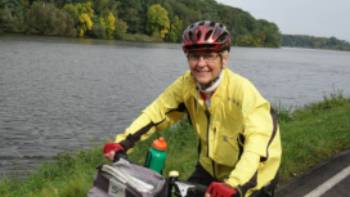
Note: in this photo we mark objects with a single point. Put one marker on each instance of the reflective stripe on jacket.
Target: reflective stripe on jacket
(238, 135)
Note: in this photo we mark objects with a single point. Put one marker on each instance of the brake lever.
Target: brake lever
(183, 188)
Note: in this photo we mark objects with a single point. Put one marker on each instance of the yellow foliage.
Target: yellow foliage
(102, 22)
(88, 9)
(81, 32)
(111, 21)
(164, 32)
(158, 22)
(82, 14)
(86, 23)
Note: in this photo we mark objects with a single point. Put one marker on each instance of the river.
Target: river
(60, 94)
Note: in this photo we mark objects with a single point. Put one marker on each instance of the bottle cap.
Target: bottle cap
(174, 173)
(159, 144)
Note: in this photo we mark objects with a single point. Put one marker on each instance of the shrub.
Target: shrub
(46, 19)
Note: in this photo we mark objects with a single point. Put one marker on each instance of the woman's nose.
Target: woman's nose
(201, 61)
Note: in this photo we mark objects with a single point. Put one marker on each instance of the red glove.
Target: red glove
(116, 147)
(220, 189)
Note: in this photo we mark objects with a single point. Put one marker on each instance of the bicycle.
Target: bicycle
(183, 188)
(123, 178)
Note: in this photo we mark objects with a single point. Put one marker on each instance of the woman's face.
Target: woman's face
(205, 66)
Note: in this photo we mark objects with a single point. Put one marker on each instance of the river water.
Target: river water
(59, 94)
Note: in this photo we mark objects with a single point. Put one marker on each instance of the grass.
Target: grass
(140, 38)
(309, 135)
(68, 175)
(314, 133)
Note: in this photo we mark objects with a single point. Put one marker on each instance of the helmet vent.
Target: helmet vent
(199, 34)
(190, 35)
(222, 37)
(201, 23)
(208, 34)
(212, 24)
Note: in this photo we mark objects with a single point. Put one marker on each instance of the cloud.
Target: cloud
(318, 18)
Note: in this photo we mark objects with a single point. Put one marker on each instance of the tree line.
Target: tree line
(143, 20)
(315, 42)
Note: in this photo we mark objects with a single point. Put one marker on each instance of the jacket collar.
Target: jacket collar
(219, 92)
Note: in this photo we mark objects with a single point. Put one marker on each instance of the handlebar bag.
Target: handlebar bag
(125, 179)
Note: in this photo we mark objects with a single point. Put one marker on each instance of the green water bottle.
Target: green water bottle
(156, 155)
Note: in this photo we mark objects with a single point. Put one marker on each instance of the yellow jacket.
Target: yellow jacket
(238, 135)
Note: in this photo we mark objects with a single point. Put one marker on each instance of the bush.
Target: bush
(46, 19)
(121, 29)
(12, 19)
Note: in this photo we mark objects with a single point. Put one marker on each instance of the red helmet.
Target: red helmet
(206, 36)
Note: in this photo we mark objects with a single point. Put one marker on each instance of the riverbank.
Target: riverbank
(145, 39)
(309, 135)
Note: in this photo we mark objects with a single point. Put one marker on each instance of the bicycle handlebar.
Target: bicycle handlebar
(190, 189)
(181, 188)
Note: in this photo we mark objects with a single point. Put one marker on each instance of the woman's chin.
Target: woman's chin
(202, 81)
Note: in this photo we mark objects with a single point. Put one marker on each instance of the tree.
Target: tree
(176, 29)
(44, 18)
(158, 24)
(121, 29)
(12, 16)
(162, 19)
(133, 12)
(82, 14)
(103, 7)
(246, 40)
(187, 14)
(85, 24)
(105, 27)
(268, 33)
(106, 20)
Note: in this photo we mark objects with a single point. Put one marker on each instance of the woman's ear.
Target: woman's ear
(225, 57)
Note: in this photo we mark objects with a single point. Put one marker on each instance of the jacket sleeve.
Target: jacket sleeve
(164, 111)
(258, 127)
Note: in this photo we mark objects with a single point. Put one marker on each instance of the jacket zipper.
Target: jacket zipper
(208, 129)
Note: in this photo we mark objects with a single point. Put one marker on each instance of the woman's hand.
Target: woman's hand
(110, 149)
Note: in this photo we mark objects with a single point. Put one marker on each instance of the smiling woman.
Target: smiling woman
(238, 141)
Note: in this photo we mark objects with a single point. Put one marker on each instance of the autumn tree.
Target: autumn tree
(107, 25)
(82, 14)
(158, 24)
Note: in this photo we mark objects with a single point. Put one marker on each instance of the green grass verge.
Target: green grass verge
(313, 134)
(309, 135)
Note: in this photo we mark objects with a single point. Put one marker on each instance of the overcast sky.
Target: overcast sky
(312, 17)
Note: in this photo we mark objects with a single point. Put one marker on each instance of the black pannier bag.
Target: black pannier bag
(125, 179)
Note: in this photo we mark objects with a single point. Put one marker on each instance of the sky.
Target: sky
(324, 18)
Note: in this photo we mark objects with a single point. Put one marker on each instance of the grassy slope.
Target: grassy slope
(309, 135)
(313, 134)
